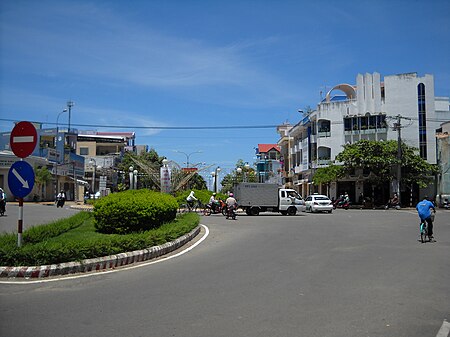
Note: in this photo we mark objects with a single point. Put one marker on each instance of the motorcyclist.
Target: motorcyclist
(424, 208)
(231, 204)
(2, 201)
(191, 199)
(213, 203)
(393, 202)
(60, 199)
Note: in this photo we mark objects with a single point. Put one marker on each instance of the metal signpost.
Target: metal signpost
(23, 140)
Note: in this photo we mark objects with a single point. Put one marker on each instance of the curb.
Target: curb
(99, 263)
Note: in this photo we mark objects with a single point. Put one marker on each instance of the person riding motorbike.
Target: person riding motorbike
(231, 206)
(424, 208)
(393, 202)
(2, 201)
(213, 203)
(60, 199)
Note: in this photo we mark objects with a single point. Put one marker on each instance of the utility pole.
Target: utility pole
(397, 126)
(70, 104)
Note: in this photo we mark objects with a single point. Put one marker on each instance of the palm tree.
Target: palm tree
(42, 177)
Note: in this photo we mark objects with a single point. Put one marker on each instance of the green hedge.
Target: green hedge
(133, 211)
(83, 242)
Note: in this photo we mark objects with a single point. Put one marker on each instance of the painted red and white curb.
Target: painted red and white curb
(98, 264)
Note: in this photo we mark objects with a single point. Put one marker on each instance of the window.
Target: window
(84, 151)
(347, 124)
(422, 120)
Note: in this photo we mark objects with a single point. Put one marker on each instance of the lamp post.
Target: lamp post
(135, 179)
(187, 155)
(247, 168)
(57, 152)
(70, 104)
(130, 169)
(238, 172)
(92, 160)
(216, 178)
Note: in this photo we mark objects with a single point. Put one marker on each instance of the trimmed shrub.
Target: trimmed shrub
(133, 211)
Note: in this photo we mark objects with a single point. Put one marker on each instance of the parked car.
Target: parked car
(318, 203)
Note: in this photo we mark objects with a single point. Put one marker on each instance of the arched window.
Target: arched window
(422, 120)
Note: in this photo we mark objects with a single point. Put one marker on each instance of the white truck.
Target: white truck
(254, 198)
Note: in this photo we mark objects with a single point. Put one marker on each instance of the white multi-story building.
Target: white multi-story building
(366, 110)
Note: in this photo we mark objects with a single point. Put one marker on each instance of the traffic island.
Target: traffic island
(98, 264)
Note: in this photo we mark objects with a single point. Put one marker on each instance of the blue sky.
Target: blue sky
(205, 63)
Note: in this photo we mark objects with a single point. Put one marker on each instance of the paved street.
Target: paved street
(350, 273)
(33, 214)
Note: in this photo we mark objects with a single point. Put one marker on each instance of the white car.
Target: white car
(318, 203)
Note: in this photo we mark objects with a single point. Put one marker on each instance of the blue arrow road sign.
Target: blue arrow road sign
(21, 179)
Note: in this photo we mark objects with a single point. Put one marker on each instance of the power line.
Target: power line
(212, 127)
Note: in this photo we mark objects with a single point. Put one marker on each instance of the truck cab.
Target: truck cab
(288, 200)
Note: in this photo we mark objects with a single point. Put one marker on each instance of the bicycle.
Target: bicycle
(424, 230)
(196, 206)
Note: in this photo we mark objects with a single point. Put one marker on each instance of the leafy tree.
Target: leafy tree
(247, 174)
(381, 159)
(42, 176)
(150, 158)
(326, 175)
(197, 182)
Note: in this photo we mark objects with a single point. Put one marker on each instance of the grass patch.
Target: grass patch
(75, 239)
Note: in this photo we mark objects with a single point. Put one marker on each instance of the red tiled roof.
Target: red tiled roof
(264, 148)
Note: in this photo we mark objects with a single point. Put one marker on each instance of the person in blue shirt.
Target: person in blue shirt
(424, 208)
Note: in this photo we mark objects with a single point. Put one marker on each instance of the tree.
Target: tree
(380, 158)
(150, 159)
(247, 174)
(42, 177)
(326, 175)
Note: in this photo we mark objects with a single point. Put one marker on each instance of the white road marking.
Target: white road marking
(123, 268)
(444, 331)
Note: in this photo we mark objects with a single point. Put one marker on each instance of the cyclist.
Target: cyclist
(424, 210)
(190, 200)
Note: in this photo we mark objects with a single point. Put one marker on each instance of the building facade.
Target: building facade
(78, 161)
(368, 110)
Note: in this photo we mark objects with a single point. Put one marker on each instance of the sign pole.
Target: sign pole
(23, 140)
(20, 223)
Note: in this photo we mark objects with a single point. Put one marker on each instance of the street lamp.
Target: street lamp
(247, 168)
(70, 104)
(92, 160)
(57, 152)
(187, 155)
(130, 169)
(135, 180)
(216, 178)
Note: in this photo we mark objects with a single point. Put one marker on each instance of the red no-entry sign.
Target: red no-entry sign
(23, 139)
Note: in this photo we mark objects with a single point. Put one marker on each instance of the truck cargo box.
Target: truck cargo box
(256, 194)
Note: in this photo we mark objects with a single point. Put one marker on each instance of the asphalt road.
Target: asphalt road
(33, 214)
(350, 273)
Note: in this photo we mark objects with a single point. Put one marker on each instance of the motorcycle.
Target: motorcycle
(219, 207)
(231, 212)
(2, 207)
(341, 203)
(60, 202)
